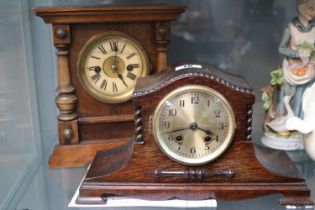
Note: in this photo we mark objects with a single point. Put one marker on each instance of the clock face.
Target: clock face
(109, 65)
(193, 125)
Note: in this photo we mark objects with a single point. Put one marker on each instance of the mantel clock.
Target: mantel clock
(193, 141)
(101, 52)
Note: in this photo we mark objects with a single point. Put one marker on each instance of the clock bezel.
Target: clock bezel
(212, 156)
(96, 94)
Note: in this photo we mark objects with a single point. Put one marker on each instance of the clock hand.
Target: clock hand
(179, 129)
(115, 58)
(208, 132)
(114, 66)
(121, 78)
(195, 126)
(115, 48)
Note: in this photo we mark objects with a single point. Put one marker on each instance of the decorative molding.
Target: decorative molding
(249, 117)
(162, 38)
(138, 126)
(184, 74)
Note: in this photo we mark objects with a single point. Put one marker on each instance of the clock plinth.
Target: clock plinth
(140, 169)
(102, 36)
(59, 157)
(138, 178)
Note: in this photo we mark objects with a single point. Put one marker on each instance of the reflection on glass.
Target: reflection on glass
(16, 131)
(240, 37)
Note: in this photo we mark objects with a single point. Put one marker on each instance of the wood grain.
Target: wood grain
(105, 119)
(272, 172)
(72, 27)
(109, 14)
(81, 154)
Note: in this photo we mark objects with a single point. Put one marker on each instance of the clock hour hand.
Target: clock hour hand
(208, 132)
(195, 126)
(122, 79)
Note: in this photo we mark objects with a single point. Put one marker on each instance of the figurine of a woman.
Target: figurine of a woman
(284, 95)
(297, 46)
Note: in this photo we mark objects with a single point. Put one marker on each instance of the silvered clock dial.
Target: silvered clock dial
(109, 65)
(193, 124)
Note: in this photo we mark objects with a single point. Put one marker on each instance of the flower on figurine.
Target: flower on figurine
(266, 101)
(277, 77)
(306, 46)
(267, 92)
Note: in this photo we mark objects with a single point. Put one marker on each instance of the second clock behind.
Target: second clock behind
(101, 51)
(109, 65)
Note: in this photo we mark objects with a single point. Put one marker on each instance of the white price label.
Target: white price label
(188, 66)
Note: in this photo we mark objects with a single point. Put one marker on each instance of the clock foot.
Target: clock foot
(297, 201)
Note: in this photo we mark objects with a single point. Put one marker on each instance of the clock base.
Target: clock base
(222, 191)
(79, 155)
(258, 172)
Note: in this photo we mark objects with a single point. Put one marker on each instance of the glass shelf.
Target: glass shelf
(54, 188)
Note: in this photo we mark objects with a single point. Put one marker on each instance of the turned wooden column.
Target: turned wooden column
(87, 125)
(66, 99)
(162, 37)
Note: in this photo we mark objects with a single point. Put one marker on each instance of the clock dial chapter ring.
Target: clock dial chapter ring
(109, 65)
(193, 125)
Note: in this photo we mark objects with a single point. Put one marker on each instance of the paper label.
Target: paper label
(188, 66)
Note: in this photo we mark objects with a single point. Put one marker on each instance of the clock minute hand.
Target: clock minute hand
(114, 67)
(179, 129)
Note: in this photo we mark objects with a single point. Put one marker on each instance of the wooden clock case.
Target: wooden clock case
(85, 124)
(139, 169)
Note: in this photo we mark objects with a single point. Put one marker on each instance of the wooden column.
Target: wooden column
(66, 99)
(162, 37)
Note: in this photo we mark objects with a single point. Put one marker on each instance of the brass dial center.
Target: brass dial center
(112, 66)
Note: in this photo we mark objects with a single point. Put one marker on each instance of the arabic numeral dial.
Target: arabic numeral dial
(193, 124)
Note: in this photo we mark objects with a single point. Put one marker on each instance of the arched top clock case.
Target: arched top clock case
(157, 163)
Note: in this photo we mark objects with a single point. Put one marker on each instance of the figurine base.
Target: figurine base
(286, 144)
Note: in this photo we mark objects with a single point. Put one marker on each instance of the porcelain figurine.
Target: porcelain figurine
(282, 99)
(306, 126)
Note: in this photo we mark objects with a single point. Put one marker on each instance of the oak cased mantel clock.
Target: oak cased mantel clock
(101, 52)
(193, 141)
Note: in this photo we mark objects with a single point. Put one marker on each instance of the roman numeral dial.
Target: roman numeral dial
(109, 65)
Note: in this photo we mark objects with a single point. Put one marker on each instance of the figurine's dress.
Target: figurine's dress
(294, 84)
(298, 38)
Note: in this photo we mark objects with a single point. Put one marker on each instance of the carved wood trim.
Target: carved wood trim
(68, 132)
(184, 74)
(138, 126)
(162, 38)
(66, 100)
(66, 15)
(105, 119)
